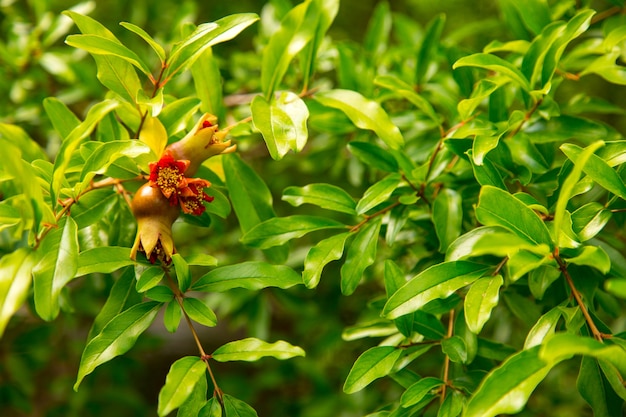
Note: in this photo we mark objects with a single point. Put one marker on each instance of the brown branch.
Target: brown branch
(446, 364)
(371, 216)
(599, 336)
(527, 117)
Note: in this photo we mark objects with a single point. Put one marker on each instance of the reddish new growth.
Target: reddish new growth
(168, 175)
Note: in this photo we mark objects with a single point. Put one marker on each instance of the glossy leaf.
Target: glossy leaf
(506, 389)
(104, 259)
(378, 193)
(326, 196)
(156, 47)
(57, 267)
(327, 12)
(494, 63)
(279, 230)
(296, 29)
(108, 153)
(594, 257)
(149, 278)
(181, 379)
(325, 251)
(497, 207)
(407, 92)
(250, 275)
(206, 78)
(172, 316)
(117, 337)
(15, 282)
(153, 134)
(282, 122)
(438, 281)
(185, 52)
(199, 312)
(543, 329)
(447, 217)
(252, 349)
(364, 113)
(374, 363)
(480, 300)
(419, 390)
(93, 207)
(361, 254)
(183, 274)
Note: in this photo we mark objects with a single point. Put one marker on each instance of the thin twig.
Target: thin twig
(446, 364)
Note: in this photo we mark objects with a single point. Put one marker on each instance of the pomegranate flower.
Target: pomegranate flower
(192, 198)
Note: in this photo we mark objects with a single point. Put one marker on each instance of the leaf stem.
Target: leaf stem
(599, 336)
(371, 216)
(446, 364)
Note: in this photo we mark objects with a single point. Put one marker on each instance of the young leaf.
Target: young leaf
(480, 300)
(326, 196)
(105, 259)
(172, 316)
(57, 267)
(149, 278)
(374, 363)
(327, 11)
(15, 281)
(252, 349)
(325, 251)
(279, 230)
(543, 329)
(199, 312)
(205, 36)
(282, 122)
(438, 281)
(361, 254)
(181, 379)
(117, 337)
(506, 389)
(497, 207)
(156, 47)
(364, 113)
(250, 275)
(213, 408)
(108, 153)
(378, 193)
(447, 217)
(296, 29)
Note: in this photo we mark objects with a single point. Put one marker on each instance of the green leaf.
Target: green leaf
(373, 155)
(593, 256)
(563, 346)
(326, 196)
(494, 63)
(201, 259)
(327, 12)
(279, 230)
(93, 207)
(506, 389)
(108, 153)
(416, 392)
(213, 408)
(480, 300)
(61, 117)
(361, 254)
(596, 167)
(236, 408)
(104, 259)
(296, 29)
(378, 193)
(100, 45)
(121, 297)
(196, 401)
(28, 147)
(374, 363)
(57, 267)
(592, 387)
(589, 220)
(185, 52)
(497, 207)
(74, 139)
(149, 278)
(15, 281)
(156, 47)
(325, 251)
(377, 34)
(282, 122)
(543, 329)
(447, 217)
(172, 316)
(206, 77)
(407, 92)
(438, 281)
(250, 275)
(428, 48)
(117, 337)
(181, 379)
(455, 348)
(9, 215)
(199, 312)
(160, 293)
(183, 274)
(364, 113)
(252, 349)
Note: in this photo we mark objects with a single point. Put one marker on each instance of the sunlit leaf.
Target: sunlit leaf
(181, 379)
(361, 254)
(374, 363)
(325, 251)
(252, 349)
(327, 196)
(250, 275)
(279, 230)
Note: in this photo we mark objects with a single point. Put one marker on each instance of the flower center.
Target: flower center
(168, 179)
